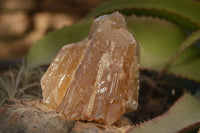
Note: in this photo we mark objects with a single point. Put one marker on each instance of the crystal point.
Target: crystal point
(96, 79)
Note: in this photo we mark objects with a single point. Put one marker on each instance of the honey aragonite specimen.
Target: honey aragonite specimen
(96, 79)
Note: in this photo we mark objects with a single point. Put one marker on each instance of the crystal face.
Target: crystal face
(96, 79)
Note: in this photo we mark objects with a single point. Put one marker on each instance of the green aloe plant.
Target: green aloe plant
(182, 12)
(169, 34)
(45, 49)
(183, 114)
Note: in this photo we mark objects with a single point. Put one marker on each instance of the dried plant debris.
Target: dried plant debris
(20, 83)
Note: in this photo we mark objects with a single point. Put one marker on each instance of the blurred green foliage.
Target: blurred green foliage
(160, 35)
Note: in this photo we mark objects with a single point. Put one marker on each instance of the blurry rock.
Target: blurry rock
(33, 116)
(13, 24)
(4, 50)
(91, 2)
(16, 25)
(13, 5)
(81, 127)
(123, 122)
(60, 19)
(76, 7)
(16, 48)
(43, 21)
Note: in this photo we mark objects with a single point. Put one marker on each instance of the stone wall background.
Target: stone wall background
(23, 22)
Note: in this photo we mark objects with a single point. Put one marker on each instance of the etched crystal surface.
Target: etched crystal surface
(96, 79)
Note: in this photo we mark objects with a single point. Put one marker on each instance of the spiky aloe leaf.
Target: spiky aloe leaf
(186, 60)
(158, 38)
(183, 12)
(184, 114)
(44, 50)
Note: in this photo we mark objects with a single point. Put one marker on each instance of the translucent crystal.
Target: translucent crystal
(96, 79)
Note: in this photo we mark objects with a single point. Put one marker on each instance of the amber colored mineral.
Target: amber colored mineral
(96, 79)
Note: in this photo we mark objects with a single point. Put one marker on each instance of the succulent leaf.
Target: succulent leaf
(182, 115)
(186, 60)
(154, 52)
(183, 12)
(44, 50)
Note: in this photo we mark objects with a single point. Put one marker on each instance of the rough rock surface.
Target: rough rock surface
(33, 116)
(95, 79)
